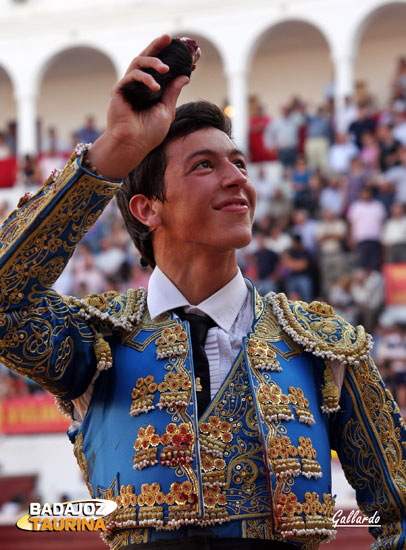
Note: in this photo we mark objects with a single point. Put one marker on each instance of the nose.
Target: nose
(233, 176)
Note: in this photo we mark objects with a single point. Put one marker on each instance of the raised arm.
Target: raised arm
(40, 335)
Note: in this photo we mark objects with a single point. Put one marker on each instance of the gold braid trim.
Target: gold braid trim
(82, 462)
(320, 331)
(111, 309)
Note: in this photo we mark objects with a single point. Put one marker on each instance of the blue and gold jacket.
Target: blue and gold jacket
(257, 463)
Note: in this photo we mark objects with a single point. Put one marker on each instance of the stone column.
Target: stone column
(343, 79)
(237, 97)
(26, 122)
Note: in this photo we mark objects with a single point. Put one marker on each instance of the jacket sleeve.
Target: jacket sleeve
(41, 335)
(369, 435)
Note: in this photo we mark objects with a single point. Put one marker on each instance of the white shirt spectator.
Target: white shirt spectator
(340, 156)
(394, 231)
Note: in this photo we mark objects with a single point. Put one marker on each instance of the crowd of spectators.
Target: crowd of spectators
(330, 218)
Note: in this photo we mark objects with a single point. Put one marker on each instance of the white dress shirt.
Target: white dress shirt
(230, 308)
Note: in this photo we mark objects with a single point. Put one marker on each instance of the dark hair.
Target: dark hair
(148, 178)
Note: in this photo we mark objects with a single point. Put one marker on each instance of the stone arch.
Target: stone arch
(378, 43)
(79, 76)
(8, 111)
(282, 58)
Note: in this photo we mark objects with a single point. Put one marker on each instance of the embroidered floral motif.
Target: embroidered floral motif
(301, 405)
(173, 341)
(274, 403)
(143, 395)
(214, 436)
(312, 517)
(262, 356)
(146, 448)
(175, 390)
(283, 457)
(310, 466)
(177, 441)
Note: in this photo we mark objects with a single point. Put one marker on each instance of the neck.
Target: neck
(199, 275)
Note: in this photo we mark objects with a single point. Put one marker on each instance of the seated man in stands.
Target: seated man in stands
(205, 411)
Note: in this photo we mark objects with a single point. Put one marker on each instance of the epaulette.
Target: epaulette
(110, 310)
(317, 328)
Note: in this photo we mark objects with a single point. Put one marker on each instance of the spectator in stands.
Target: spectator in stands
(399, 128)
(333, 196)
(385, 191)
(300, 178)
(388, 147)
(110, 257)
(340, 154)
(367, 292)
(296, 264)
(345, 115)
(317, 140)
(52, 141)
(394, 235)
(265, 191)
(306, 228)
(362, 125)
(278, 239)
(258, 122)
(331, 234)
(88, 133)
(366, 217)
(49, 161)
(29, 171)
(399, 81)
(86, 274)
(357, 178)
(266, 264)
(391, 353)
(369, 155)
(5, 151)
(339, 296)
(284, 132)
(397, 175)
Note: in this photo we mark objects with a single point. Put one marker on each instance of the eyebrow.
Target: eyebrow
(212, 152)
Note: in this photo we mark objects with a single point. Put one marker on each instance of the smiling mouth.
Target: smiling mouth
(236, 205)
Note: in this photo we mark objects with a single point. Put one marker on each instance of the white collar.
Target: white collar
(223, 306)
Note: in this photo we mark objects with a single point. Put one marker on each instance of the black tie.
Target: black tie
(199, 326)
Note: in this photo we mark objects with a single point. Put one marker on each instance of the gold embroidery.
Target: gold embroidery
(82, 462)
(301, 406)
(282, 455)
(261, 355)
(257, 529)
(143, 395)
(330, 392)
(274, 403)
(173, 341)
(373, 448)
(310, 466)
(146, 448)
(330, 337)
(317, 518)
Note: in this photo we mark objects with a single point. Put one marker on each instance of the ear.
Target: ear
(147, 211)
